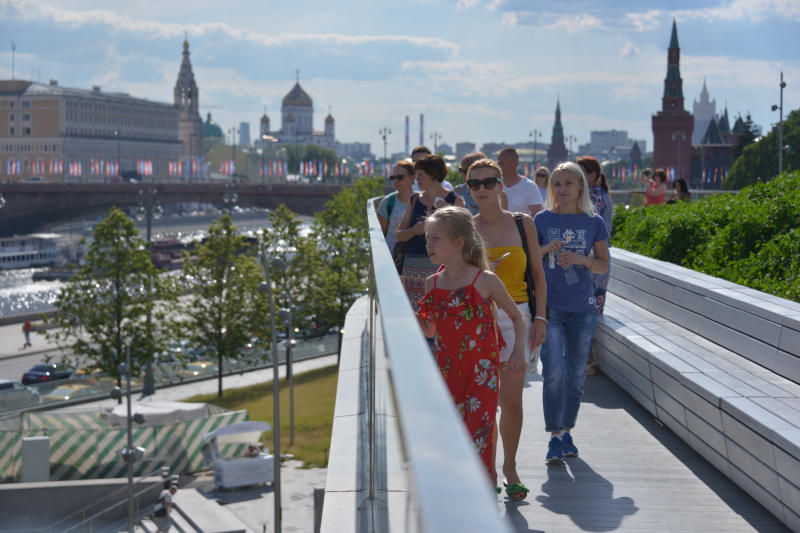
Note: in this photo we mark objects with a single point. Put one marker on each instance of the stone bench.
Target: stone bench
(717, 363)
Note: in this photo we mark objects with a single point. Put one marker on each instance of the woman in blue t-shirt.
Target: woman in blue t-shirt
(568, 229)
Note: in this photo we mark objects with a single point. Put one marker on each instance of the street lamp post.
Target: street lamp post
(384, 133)
(682, 136)
(266, 287)
(229, 197)
(233, 132)
(535, 134)
(780, 127)
(149, 207)
(436, 136)
(286, 316)
(119, 151)
(570, 138)
(266, 139)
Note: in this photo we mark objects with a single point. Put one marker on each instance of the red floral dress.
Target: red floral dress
(467, 348)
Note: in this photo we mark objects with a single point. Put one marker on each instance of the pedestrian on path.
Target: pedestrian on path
(506, 251)
(26, 329)
(457, 312)
(164, 507)
(568, 230)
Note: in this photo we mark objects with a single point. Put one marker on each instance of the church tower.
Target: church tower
(673, 125)
(557, 153)
(330, 125)
(264, 128)
(190, 125)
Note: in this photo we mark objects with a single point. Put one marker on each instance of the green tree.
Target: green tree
(225, 309)
(745, 138)
(341, 262)
(759, 160)
(104, 307)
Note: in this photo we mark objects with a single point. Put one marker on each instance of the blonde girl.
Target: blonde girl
(457, 312)
(568, 229)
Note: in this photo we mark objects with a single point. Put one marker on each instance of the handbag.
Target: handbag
(528, 269)
(399, 250)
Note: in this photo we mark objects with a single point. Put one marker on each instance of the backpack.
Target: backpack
(161, 511)
(390, 200)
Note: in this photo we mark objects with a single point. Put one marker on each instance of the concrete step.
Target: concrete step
(205, 514)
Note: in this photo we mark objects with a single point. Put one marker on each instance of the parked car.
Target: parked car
(44, 372)
(14, 395)
(70, 391)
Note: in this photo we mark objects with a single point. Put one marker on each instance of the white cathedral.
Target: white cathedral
(297, 122)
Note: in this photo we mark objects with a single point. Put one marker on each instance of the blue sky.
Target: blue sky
(480, 70)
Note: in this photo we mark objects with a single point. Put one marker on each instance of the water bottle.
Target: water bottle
(570, 275)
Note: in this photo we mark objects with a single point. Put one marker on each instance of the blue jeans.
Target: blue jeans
(564, 355)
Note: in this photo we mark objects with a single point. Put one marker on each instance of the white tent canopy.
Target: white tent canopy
(240, 432)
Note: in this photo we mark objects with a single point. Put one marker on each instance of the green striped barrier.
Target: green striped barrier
(83, 446)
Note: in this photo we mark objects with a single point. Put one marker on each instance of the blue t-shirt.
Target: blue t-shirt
(579, 233)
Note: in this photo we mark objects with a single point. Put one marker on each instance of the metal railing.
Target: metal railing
(448, 487)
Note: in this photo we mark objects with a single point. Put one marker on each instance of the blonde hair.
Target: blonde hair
(485, 163)
(458, 222)
(584, 202)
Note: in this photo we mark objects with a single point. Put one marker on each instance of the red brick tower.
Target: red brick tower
(673, 125)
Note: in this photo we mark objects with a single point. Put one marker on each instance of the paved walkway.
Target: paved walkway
(632, 475)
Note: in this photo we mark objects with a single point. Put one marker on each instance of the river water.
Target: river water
(19, 294)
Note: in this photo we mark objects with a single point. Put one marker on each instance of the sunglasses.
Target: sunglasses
(488, 183)
(397, 177)
(542, 175)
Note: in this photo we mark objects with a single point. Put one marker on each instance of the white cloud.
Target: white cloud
(645, 21)
(629, 50)
(36, 10)
(752, 10)
(509, 19)
(466, 4)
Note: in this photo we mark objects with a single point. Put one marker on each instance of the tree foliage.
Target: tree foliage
(306, 152)
(225, 309)
(759, 160)
(750, 238)
(104, 307)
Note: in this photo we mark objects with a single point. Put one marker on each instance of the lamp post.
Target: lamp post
(570, 138)
(780, 126)
(535, 134)
(129, 454)
(266, 287)
(436, 136)
(229, 197)
(682, 136)
(149, 207)
(233, 132)
(286, 316)
(266, 139)
(384, 133)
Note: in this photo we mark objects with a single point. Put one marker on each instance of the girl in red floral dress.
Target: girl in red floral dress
(457, 311)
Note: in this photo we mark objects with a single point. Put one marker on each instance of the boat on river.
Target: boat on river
(28, 251)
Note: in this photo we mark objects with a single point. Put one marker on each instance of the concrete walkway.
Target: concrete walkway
(632, 475)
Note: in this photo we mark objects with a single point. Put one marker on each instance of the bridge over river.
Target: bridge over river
(29, 206)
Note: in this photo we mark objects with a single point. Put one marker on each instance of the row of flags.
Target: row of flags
(96, 167)
(177, 168)
(40, 167)
(315, 167)
(275, 167)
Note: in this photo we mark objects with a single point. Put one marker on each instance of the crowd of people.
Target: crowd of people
(503, 272)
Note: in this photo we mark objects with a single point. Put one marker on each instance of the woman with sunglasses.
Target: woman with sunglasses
(541, 178)
(506, 254)
(417, 266)
(393, 206)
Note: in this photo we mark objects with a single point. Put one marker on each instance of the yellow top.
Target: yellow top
(511, 270)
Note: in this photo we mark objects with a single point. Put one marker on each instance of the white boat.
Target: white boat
(27, 251)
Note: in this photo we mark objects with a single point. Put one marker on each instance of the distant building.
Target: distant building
(187, 99)
(635, 155)
(711, 159)
(557, 152)
(355, 151)
(673, 125)
(610, 144)
(704, 111)
(297, 121)
(244, 133)
(463, 149)
(212, 134)
(445, 148)
(48, 130)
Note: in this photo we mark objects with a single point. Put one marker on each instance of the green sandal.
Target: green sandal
(499, 489)
(517, 491)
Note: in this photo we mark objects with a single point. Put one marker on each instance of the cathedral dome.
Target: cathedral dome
(210, 129)
(265, 119)
(329, 119)
(297, 97)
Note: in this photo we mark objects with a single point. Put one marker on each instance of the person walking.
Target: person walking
(164, 507)
(541, 178)
(506, 251)
(568, 230)
(523, 195)
(26, 330)
(393, 206)
(417, 265)
(456, 311)
(462, 190)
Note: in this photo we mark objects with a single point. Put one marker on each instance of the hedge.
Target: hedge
(751, 238)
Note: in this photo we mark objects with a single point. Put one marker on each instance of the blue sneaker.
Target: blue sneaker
(555, 451)
(569, 447)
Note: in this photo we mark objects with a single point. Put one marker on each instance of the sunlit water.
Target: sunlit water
(19, 294)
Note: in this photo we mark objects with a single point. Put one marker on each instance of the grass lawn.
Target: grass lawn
(314, 399)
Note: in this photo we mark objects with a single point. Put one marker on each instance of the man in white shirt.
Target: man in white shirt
(523, 194)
